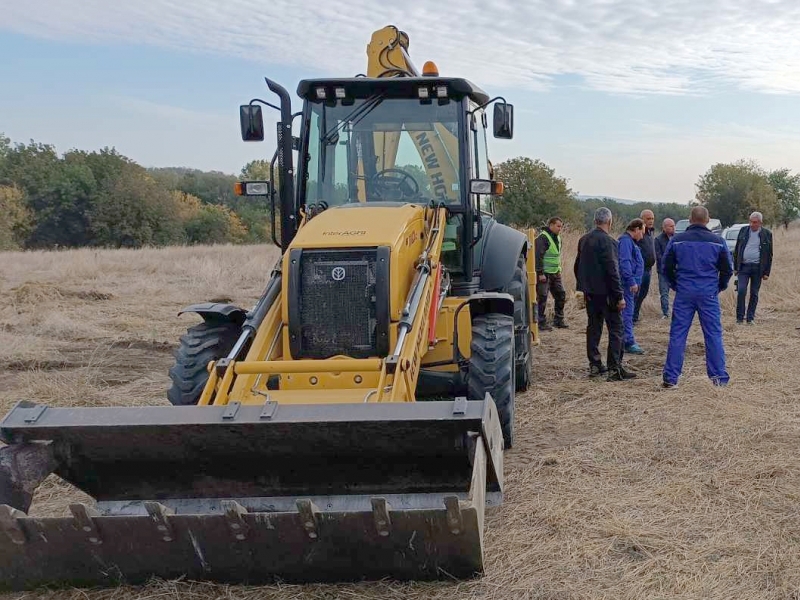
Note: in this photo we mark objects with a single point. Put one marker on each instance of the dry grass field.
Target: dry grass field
(614, 490)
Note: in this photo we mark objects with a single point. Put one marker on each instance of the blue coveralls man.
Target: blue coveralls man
(631, 271)
(698, 266)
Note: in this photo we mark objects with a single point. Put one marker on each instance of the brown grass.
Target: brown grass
(613, 490)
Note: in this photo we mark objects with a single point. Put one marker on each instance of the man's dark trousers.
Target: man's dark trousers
(642, 294)
(599, 310)
(749, 273)
(554, 286)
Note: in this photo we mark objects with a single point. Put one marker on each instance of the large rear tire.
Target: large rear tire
(491, 367)
(207, 341)
(518, 288)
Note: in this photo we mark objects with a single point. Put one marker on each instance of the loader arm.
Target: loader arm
(387, 56)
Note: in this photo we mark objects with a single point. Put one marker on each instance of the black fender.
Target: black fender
(483, 303)
(502, 247)
(217, 311)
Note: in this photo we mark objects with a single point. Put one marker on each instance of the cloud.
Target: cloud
(623, 46)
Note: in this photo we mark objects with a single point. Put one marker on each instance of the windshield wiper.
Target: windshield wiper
(359, 112)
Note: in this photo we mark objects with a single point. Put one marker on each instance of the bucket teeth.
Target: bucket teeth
(380, 511)
(158, 512)
(9, 522)
(455, 521)
(233, 515)
(83, 519)
(308, 516)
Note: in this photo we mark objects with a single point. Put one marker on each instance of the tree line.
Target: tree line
(105, 199)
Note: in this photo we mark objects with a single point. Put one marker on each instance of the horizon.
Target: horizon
(636, 101)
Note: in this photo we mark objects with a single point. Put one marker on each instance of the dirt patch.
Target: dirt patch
(35, 293)
(155, 346)
(90, 295)
(41, 292)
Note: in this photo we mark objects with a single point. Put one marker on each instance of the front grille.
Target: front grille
(339, 304)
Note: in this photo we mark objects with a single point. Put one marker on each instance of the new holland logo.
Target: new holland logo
(338, 273)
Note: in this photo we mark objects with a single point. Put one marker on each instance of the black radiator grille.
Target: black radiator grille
(338, 299)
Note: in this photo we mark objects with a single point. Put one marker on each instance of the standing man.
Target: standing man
(698, 266)
(597, 277)
(648, 249)
(752, 262)
(667, 231)
(548, 272)
(631, 270)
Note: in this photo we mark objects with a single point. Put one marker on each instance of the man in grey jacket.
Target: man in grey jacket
(752, 263)
(667, 231)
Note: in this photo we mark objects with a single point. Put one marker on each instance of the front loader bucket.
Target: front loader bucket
(250, 494)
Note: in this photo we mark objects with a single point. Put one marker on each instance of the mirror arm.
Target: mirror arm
(487, 103)
(260, 101)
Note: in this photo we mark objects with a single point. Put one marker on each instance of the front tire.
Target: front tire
(491, 367)
(518, 289)
(202, 343)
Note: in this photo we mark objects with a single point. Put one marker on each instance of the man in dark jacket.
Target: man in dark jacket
(697, 264)
(648, 249)
(667, 231)
(752, 263)
(597, 277)
(548, 273)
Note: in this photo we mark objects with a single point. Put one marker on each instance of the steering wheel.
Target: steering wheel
(393, 184)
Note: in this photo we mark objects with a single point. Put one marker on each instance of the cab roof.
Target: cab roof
(398, 87)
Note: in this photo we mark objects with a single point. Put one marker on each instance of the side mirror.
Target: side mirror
(251, 122)
(503, 121)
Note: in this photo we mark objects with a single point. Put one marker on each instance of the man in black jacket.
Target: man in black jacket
(648, 248)
(597, 277)
(752, 263)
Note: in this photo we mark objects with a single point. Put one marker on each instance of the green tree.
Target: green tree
(215, 224)
(623, 213)
(256, 170)
(732, 191)
(133, 210)
(533, 193)
(787, 188)
(212, 187)
(15, 224)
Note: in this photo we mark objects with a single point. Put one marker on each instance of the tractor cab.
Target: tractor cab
(420, 140)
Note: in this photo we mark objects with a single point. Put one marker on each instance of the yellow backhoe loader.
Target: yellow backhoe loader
(351, 424)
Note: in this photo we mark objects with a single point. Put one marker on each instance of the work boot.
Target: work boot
(633, 349)
(560, 324)
(543, 326)
(620, 374)
(597, 370)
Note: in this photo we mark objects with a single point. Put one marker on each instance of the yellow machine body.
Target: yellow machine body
(300, 461)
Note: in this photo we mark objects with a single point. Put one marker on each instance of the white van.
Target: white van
(715, 225)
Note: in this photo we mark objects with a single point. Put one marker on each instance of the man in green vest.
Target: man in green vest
(548, 273)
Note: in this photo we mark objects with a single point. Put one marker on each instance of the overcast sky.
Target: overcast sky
(633, 98)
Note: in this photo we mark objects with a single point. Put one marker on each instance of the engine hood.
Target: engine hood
(357, 225)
